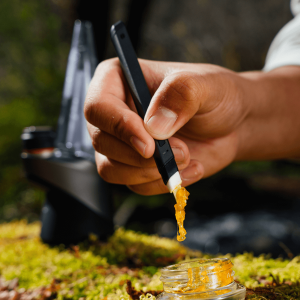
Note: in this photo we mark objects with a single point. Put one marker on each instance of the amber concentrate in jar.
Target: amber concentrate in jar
(201, 279)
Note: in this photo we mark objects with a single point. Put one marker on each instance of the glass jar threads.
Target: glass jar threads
(201, 279)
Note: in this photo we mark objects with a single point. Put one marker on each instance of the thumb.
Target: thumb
(175, 102)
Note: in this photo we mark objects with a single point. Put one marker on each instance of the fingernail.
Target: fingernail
(179, 154)
(191, 171)
(162, 121)
(138, 145)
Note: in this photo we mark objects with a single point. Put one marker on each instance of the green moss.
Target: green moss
(248, 269)
(95, 270)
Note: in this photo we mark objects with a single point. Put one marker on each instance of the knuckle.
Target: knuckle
(106, 64)
(140, 161)
(94, 96)
(119, 128)
(97, 140)
(133, 188)
(145, 173)
(103, 171)
(103, 64)
(184, 85)
(89, 110)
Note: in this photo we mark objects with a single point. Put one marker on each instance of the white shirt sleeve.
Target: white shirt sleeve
(285, 48)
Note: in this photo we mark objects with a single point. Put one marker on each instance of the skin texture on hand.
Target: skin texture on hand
(211, 116)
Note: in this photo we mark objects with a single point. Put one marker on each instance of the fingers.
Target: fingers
(109, 105)
(191, 174)
(115, 149)
(207, 158)
(115, 172)
(173, 104)
(195, 98)
(214, 154)
(119, 173)
(106, 107)
(183, 94)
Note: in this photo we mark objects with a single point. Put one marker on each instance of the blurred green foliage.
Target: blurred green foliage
(32, 64)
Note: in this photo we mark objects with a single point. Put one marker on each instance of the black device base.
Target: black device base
(78, 201)
(66, 220)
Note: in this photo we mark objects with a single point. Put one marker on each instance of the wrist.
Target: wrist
(271, 129)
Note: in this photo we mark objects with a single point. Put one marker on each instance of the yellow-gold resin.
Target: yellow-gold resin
(181, 196)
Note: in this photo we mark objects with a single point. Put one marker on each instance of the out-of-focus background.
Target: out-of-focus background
(252, 206)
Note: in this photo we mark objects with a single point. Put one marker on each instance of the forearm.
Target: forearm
(271, 129)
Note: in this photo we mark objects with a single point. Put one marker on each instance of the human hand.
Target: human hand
(203, 109)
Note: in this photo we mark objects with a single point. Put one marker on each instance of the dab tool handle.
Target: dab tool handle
(163, 154)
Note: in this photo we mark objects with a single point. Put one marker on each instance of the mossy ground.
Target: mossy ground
(95, 270)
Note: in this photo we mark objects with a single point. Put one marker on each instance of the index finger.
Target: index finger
(108, 106)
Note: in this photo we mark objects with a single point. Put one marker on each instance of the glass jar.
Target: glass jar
(201, 279)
